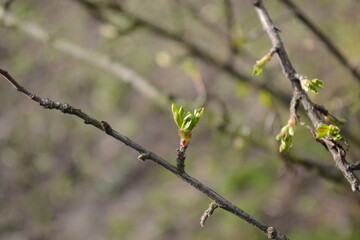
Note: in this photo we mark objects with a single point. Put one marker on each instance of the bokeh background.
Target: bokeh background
(61, 179)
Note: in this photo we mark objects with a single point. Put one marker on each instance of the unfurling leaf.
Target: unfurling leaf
(313, 85)
(258, 68)
(331, 131)
(322, 130)
(285, 137)
(186, 122)
(334, 132)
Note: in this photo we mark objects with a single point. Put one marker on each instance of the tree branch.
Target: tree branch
(337, 151)
(145, 155)
(125, 74)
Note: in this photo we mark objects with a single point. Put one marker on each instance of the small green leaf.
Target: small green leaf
(181, 111)
(258, 68)
(177, 117)
(334, 132)
(336, 137)
(282, 146)
(291, 131)
(321, 134)
(198, 112)
(317, 83)
(186, 126)
(174, 108)
(322, 130)
(328, 130)
(313, 85)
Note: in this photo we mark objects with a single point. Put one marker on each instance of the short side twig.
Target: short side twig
(208, 212)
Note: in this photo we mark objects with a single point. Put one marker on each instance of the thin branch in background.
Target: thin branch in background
(323, 38)
(324, 170)
(193, 48)
(192, 8)
(95, 59)
(337, 151)
(145, 155)
(7, 4)
(178, 12)
(355, 166)
(230, 22)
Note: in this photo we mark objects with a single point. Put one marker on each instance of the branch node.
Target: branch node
(65, 108)
(144, 156)
(271, 233)
(277, 29)
(46, 103)
(273, 50)
(355, 187)
(208, 212)
(355, 166)
(106, 127)
(257, 3)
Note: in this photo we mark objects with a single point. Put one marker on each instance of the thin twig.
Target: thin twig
(230, 22)
(144, 154)
(208, 212)
(337, 151)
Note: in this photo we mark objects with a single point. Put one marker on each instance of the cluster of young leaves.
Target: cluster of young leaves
(258, 68)
(285, 137)
(331, 131)
(313, 85)
(186, 122)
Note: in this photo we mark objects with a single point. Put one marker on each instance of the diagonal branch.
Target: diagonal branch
(337, 151)
(147, 155)
(325, 39)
